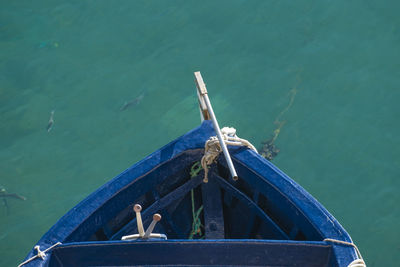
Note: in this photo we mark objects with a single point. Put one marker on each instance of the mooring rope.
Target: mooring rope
(212, 147)
(357, 262)
(40, 254)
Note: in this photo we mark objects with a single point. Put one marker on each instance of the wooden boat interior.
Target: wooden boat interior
(230, 209)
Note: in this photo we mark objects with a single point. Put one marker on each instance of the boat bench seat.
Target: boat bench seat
(194, 253)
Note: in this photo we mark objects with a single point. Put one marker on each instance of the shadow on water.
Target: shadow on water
(132, 103)
(4, 195)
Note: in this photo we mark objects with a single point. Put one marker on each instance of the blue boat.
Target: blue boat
(198, 215)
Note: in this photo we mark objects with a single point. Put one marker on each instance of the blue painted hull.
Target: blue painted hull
(263, 219)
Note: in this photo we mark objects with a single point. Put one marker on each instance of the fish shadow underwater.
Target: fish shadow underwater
(4, 195)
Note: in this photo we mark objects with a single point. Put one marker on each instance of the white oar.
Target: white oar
(204, 95)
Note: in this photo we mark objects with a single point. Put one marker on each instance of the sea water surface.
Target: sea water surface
(119, 77)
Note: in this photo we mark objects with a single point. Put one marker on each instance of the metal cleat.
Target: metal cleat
(141, 233)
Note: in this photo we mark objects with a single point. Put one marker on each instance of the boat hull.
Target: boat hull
(264, 218)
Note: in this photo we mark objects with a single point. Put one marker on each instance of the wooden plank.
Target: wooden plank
(201, 86)
(213, 210)
(275, 229)
(252, 217)
(201, 90)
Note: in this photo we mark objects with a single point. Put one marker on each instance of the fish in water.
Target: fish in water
(132, 103)
(4, 195)
(51, 121)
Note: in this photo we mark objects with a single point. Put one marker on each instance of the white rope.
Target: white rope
(357, 262)
(213, 148)
(40, 254)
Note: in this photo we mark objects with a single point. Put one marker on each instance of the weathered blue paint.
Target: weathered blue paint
(264, 218)
(189, 253)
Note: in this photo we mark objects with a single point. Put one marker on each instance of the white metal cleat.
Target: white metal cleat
(141, 233)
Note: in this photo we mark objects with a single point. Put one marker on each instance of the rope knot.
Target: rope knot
(213, 148)
(40, 253)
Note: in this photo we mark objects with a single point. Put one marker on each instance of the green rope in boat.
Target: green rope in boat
(196, 224)
(196, 168)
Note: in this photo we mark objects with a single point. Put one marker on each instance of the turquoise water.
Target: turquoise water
(85, 59)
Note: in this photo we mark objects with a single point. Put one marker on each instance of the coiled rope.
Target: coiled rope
(213, 148)
(357, 262)
(40, 254)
